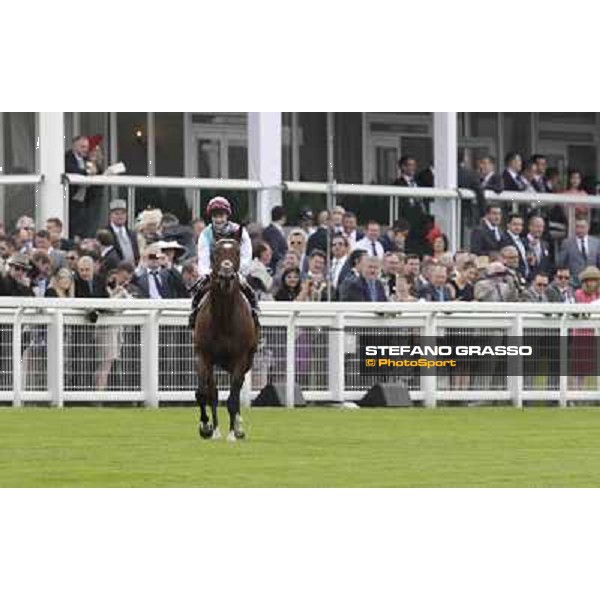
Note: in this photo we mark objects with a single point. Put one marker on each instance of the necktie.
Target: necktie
(91, 287)
(583, 252)
(374, 248)
(372, 291)
(497, 234)
(158, 284)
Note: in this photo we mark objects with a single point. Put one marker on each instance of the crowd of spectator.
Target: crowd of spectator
(520, 256)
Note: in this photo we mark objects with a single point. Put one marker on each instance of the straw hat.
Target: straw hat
(172, 245)
(589, 273)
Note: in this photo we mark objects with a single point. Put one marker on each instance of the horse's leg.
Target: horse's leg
(236, 431)
(213, 394)
(202, 392)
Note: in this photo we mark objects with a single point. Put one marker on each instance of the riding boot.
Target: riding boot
(251, 295)
(200, 291)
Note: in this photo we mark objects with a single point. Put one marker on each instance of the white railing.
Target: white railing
(332, 190)
(20, 179)
(140, 350)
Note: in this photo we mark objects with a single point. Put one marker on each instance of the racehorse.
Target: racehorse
(224, 335)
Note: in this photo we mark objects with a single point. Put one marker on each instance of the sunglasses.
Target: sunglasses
(152, 256)
(298, 243)
(18, 268)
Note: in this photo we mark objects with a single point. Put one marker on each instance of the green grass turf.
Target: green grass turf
(95, 447)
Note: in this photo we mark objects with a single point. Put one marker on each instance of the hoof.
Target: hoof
(206, 431)
(231, 437)
(216, 434)
(240, 435)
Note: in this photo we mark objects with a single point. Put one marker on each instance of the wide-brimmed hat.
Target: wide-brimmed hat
(172, 245)
(19, 260)
(589, 273)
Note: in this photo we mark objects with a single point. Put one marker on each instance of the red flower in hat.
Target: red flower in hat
(95, 141)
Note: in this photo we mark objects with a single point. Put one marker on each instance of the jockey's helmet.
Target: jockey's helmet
(218, 203)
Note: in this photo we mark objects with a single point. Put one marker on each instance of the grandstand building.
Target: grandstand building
(271, 148)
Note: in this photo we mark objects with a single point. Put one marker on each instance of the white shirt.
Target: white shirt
(494, 229)
(366, 244)
(351, 237)
(337, 265)
(152, 289)
(204, 239)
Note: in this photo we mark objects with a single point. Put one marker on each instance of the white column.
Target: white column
(445, 149)
(51, 201)
(264, 159)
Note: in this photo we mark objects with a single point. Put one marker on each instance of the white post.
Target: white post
(55, 360)
(445, 166)
(51, 201)
(264, 160)
(150, 364)
(336, 359)
(429, 382)
(515, 382)
(290, 355)
(564, 358)
(16, 361)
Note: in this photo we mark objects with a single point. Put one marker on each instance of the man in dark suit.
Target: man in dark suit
(87, 284)
(274, 235)
(350, 270)
(318, 239)
(488, 178)
(412, 209)
(75, 162)
(16, 282)
(487, 237)
(109, 257)
(539, 182)
(539, 257)
(513, 237)
(560, 289)
(351, 231)
(125, 242)
(437, 289)
(367, 287)
(579, 251)
(153, 281)
(511, 177)
(54, 227)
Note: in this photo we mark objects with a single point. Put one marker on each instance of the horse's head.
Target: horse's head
(226, 262)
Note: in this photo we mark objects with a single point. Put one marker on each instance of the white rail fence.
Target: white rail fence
(140, 351)
(395, 195)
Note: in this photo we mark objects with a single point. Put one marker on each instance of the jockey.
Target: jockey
(218, 212)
